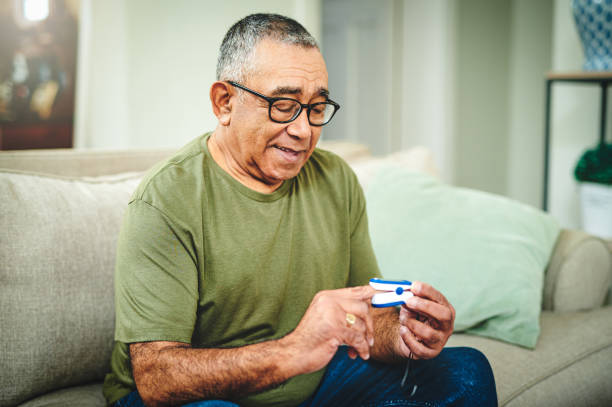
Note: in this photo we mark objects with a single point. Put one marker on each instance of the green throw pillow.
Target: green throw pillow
(486, 253)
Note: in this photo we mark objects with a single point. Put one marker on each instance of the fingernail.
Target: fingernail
(366, 356)
(403, 330)
(371, 341)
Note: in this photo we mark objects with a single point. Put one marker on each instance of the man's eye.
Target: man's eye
(285, 106)
(318, 109)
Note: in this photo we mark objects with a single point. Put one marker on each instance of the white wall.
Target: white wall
(391, 68)
(145, 67)
(427, 79)
(464, 78)
(530, 58)
(575, 118)
(481, 94)
(101, 108)
(357, 46)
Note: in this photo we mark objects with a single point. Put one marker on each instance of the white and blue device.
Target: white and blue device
(395, 292)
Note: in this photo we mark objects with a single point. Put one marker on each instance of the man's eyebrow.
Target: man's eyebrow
(288, 90)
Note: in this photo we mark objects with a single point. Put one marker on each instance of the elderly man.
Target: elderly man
(243, 261)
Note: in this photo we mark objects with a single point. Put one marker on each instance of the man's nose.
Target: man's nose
(300, 127)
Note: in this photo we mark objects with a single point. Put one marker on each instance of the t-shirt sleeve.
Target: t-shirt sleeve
(156, 283)
(363, 260)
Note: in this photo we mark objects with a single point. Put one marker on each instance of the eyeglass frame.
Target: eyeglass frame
(308, 107)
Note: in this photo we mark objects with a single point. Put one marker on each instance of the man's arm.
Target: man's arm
(386, 334)
(174, 373)
(169, 373)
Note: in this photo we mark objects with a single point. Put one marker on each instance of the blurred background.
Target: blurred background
(465, 78)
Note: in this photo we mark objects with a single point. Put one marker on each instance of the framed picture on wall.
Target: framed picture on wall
(38, 47)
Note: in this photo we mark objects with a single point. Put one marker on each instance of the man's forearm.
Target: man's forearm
(170, 373)
(386, 335)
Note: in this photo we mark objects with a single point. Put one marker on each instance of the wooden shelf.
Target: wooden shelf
(579, 76)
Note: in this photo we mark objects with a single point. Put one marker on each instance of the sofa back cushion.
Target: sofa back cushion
(57, 251)
(486, 253)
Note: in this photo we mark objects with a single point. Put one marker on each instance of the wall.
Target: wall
(145, 67)
(530, 57)
(481, 102)
(391, 68)
(358, 41)
(427, 77)
(575, 118)
(464, 78)
(102, 108)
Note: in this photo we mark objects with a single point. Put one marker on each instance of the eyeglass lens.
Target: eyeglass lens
(284, 110)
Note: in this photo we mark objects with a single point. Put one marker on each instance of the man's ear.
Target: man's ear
(222, 97)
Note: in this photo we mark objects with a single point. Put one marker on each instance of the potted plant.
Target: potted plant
(594, 172)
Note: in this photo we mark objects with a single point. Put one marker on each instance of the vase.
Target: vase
(594, 22)
(596, 208)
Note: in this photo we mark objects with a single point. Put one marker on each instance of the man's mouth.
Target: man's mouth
(290, 155)
(288, 150)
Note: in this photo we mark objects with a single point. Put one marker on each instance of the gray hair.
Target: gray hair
(235, 53)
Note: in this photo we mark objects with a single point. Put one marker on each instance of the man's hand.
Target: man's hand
(426, 323)
(324, 327)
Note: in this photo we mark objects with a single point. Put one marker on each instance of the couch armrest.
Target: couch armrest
(578, 274)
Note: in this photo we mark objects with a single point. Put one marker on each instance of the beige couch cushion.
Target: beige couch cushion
(57, 251)
(581, 342)
(89, 395)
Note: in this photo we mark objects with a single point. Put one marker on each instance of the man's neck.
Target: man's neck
(228, 163)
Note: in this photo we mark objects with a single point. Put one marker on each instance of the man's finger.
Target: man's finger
(424, 332)
(357, 340)
(406, 313)
(362, 292)
(361, 310)
(418, 349)
(425, 290)
(443, 314)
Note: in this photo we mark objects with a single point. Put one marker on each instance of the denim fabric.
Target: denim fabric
(457, 377)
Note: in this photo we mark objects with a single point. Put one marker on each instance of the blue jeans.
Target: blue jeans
(457, 377)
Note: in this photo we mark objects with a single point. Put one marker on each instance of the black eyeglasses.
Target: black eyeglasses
(285, 110)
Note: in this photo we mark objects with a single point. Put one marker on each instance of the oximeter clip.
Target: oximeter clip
(395, 292)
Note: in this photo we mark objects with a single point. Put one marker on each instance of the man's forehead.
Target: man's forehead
(289, 69)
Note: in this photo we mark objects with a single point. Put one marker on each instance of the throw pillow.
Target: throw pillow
(486, 253)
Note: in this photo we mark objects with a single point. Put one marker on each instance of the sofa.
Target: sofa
(60, 214)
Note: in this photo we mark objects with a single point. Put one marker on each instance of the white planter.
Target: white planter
(596, 208)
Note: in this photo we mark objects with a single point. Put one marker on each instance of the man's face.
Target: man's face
(267, 151)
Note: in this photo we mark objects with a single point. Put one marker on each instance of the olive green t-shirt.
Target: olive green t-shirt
(202, 259)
